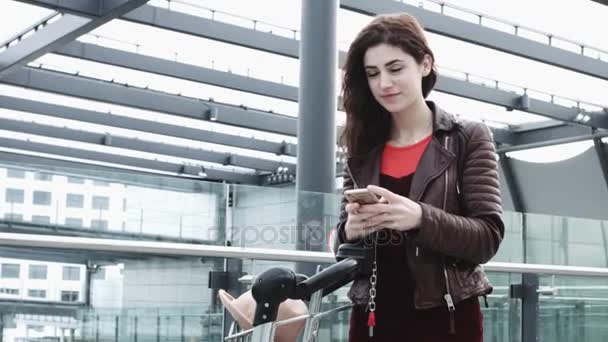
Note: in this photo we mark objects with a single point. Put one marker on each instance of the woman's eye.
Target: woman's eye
(396, 69)
(372, 74)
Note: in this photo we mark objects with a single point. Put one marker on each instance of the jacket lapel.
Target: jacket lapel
(365, 170)
(436, 158)
(434, 161)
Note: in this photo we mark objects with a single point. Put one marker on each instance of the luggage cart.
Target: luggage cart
(275, 285)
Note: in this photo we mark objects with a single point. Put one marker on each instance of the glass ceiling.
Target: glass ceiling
(16, 17)
(455, 58)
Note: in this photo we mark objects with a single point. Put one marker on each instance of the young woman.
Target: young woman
(439, 214)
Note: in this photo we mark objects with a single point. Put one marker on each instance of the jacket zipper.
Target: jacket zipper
(448, 296)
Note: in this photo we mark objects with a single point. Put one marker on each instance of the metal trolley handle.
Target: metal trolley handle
(278, 284)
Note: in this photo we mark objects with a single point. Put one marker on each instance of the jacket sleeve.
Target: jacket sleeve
(476, 236)
(341, 234)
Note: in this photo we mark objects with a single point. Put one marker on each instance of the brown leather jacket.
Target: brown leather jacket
(461, 212)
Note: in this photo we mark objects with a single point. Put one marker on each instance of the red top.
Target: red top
(398, 162)
(396, 318)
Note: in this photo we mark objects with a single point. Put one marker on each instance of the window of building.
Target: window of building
(41, 219)
(100, 274)
(42, 198)
(37, 271)
(100, 183)
(15, 195)
(75, 180)
(71, 273)
(43, 176)
(73, 222)
(101, 202)
(10, 271)
(35, 328)
(13, 217)
(35, 293)
(9, 291)
(15, 173)
(74, 201)
(99, 224)
(69, 296)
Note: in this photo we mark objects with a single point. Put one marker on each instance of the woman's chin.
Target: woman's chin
(394, 107)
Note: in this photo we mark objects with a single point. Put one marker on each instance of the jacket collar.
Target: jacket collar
(365, 169)
(442, 120)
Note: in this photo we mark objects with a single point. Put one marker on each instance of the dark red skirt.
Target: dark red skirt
(430, 325)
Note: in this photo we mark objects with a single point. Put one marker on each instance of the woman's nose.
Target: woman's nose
(385, 81)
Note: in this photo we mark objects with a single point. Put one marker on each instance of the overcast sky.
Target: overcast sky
(581, 21)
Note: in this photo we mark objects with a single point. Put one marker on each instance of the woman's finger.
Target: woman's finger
(352, 208)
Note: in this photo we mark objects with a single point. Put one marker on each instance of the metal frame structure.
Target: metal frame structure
(569, 123)
(57, 34)
(184, 249)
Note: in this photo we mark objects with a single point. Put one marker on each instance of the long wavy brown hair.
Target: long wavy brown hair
(367, 122)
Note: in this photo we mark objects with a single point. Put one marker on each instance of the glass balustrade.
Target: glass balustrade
(127, 295)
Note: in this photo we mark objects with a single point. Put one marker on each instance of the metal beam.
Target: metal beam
(36, 307)
(445, 84)
(484, 36)
(183, 71)
(166, 129)
(89, 8)
(184, 23)
(110, 92)
(212, 29)
(12, 226)
(147, 146)
(104, 91)
(76, 257)
(95, 171)
(132, 162)
(57, 33)
(183, 106)
(242, 36)
(555, 135)
(602, 156)
(206, 28)
(512, 100)
(512, 184)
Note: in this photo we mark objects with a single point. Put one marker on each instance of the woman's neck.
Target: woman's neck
(411, 125)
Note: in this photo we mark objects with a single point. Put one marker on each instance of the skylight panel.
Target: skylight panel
(243, 13)
(128, 133)
(589, 16)
(120, 151)
(168, 84)
(494, 116)
(552, 154)
(16, 17)
(140, 113)
(184, 48)
(506, 68)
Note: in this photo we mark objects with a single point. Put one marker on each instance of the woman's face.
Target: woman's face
(394, 76)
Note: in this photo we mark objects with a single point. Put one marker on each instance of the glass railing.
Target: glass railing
(170, 299)
(176, 237)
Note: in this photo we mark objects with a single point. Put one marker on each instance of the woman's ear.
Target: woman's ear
(427, 65)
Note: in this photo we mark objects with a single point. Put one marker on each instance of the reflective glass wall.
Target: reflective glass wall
(64, 295)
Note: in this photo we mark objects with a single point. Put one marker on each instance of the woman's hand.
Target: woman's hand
(394, 212)
(357, 223)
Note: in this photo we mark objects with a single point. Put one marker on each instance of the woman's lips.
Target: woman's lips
(389, 96)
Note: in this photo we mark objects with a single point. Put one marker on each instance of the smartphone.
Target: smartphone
(361, 196)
